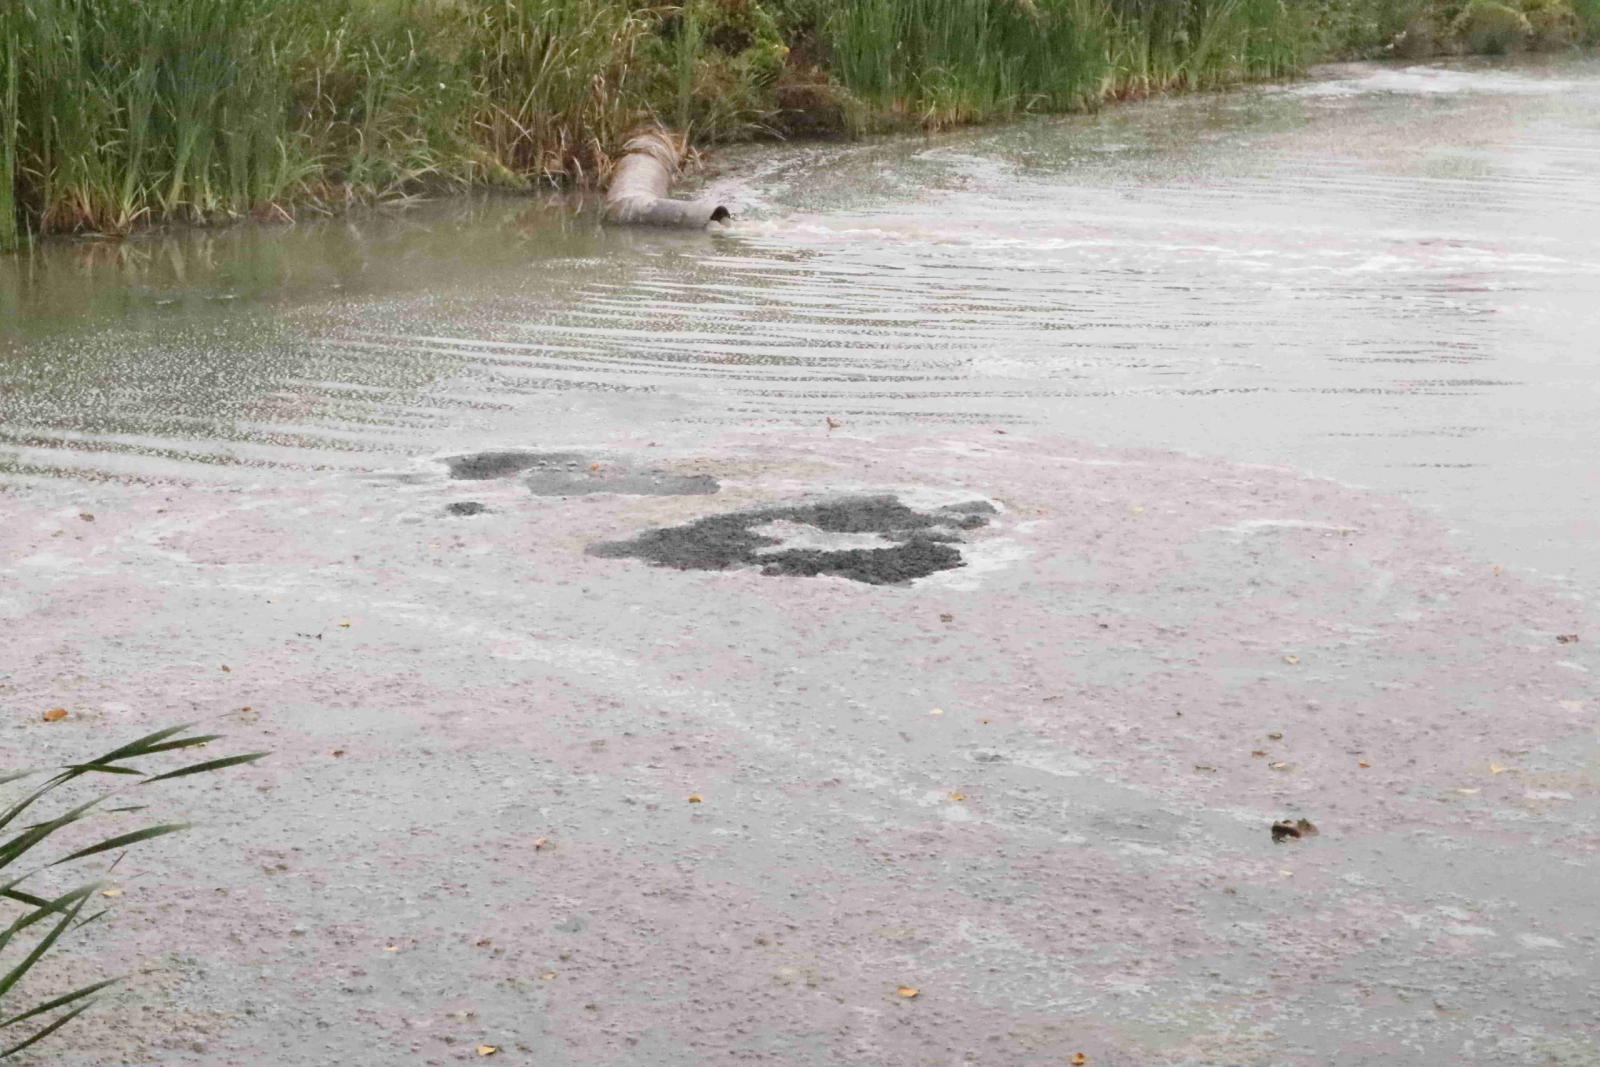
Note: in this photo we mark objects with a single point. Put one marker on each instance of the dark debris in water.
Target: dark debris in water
(572, 474)
(923, 542)
(466, 507)
(1287, 830)
(485, 465)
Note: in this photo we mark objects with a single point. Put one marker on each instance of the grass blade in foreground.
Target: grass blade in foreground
(35, 909)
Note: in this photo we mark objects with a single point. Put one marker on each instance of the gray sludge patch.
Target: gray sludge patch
(466, 507)
(872, 539)
(571, 474)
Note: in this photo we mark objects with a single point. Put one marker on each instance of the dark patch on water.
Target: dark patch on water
(485, 465)
(923, 541)
(571, 474)
(466, 507)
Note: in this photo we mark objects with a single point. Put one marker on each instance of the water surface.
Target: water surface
(1384, 275)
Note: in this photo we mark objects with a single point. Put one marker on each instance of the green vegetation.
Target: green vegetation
(43, 920)
(120, 113)
(1419, 28)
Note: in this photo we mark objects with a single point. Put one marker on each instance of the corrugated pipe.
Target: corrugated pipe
(638, 196)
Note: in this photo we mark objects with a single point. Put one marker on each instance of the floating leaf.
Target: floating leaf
(1291, 659)
(488, 1050)
(947, 618)
(958, 796)
(113, 892)
(391, 948)
(540, 842)
(548, 975)
(345, 623)
(1567, 639)
(908, 991)
(335, 751)
(695, 798)
(227, 669)
(1495, 768)
(1258, 752)
(936, 711)
(55, 715)
(1276, 735)
(1078, 1059)
(1362, 763)
(1468, 792)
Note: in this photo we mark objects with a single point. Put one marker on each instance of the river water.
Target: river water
(1261, 428)
(1385, 276)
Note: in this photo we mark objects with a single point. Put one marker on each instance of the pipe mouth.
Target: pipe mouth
(720, 214)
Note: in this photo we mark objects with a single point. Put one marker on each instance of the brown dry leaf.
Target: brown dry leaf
(227, 669)
(1258, 752)
(55, 715)
(391, 948)
(946, 617)
(345, 623)
(85, 516)
(833, 423)
(548, 975)
(1278, 766)
(540, 842)
(695, 798)
(335, 751)
(1049, 699)
(1291, 659)
(113, 892)
(1362, 763)
(908, 991)
(488, 1050)
(1495, 768)
(1276, 735)
(594, 466)
(1567, 639)
(958, 796)
(484, 942)
(1078, 1059)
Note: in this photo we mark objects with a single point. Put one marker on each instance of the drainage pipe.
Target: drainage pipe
(638, 196)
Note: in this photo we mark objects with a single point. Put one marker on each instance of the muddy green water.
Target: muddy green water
(1386, 276)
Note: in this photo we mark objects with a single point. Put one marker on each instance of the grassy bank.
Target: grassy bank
(1415, 29)
(117, 113)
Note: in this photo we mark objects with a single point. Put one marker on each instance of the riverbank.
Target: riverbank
(122, 115)
(210, 109)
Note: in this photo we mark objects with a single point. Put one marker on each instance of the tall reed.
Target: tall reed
(10, 72)
(119, 113)
(945, 61)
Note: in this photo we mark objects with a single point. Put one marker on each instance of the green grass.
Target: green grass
(121, 113)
